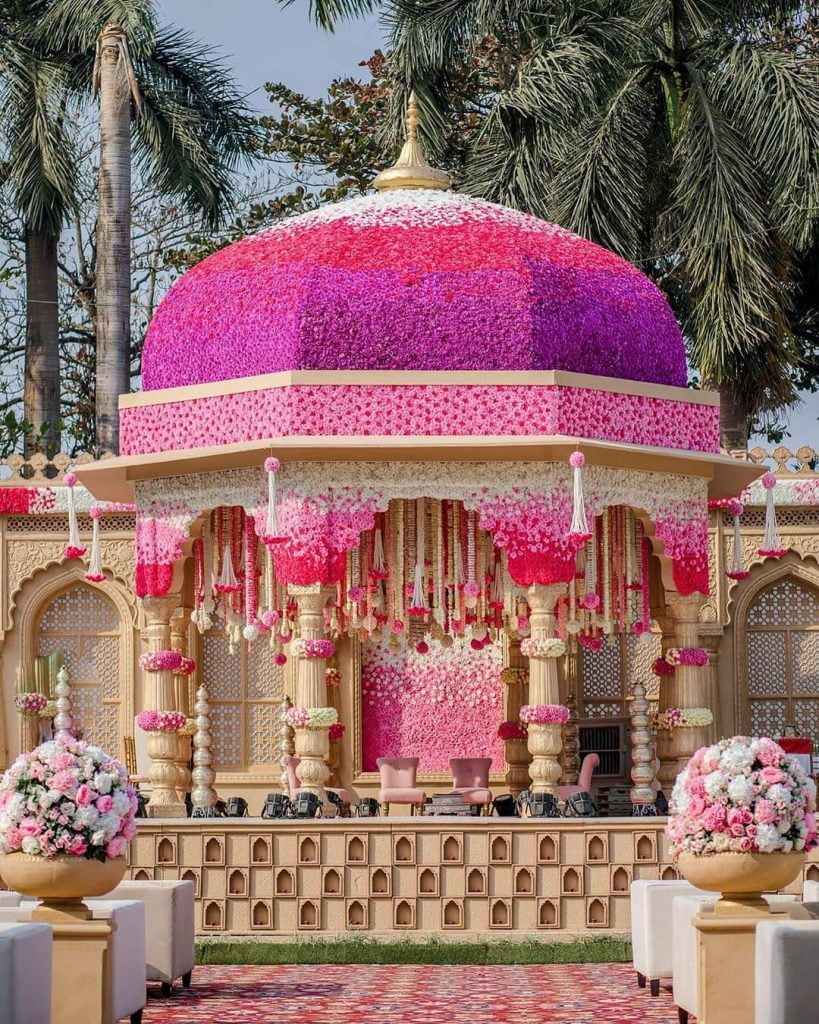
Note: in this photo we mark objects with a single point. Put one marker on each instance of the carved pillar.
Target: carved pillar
(158, 695)
(570, 755)
(4, 750)
(711, 642)
(516, 751)
(544, 688)
(643, 793)
(203, 795)
(691, 680)
(666, 698)
(287, 743)
(312, 745)
(182, 684)
(334, 755)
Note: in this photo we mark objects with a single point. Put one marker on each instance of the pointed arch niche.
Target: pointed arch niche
(93, 626)
(776, 650)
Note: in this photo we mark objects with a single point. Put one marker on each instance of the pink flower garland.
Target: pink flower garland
(660, 667)
(167, 661)
(544, 714)
(686, 656)
(30, 703)
(161, 721)
(314, 648)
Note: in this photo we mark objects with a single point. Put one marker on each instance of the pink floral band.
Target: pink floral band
(312, 648)
(544, 714)
(30, 703)
(162, 721)
(683, 718)
(167, 661)
(686, 656)
(512, 731)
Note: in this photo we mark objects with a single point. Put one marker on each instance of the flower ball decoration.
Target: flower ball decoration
(311, 718)
(544, 714)
(30, 703)
(66, 797)
(412, 280)
(162, 721)
(744, 796)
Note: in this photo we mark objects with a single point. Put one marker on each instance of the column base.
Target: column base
(725, 957)
(81, 988)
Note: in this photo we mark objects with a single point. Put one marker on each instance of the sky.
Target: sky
(265, 42)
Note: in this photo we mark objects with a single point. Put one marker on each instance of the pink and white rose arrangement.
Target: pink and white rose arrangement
(312, 648)
(311, 718)
(743, 796)
(544, 714)
(30, 703)
(66, 797)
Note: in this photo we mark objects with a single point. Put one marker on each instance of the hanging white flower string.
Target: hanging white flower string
(579, 530)
(419, 597)
(771, 543)
(379, 564)
(95, 573)
(737, 570)
(227, 582)
(272, 532)
(75, 547)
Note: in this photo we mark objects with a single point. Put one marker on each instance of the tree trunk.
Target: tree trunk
(113, 238)
(41, 392)
(733, 420)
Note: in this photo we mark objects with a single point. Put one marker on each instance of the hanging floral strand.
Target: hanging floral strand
(579, 531)
(272, 531)
(771, 543)
(95, 573)
(251, 630)
(75, 547)
(737, 570)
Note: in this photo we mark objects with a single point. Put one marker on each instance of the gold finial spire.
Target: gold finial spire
(411, 169)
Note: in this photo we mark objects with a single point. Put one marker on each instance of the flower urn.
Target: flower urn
(742, 819)
(62, 882)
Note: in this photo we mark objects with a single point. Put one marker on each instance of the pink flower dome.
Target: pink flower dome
(412, 280)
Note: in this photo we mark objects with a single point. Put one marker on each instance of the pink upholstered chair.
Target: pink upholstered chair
(584, 781)
(470, 779)
(290, 764)
(398, 783)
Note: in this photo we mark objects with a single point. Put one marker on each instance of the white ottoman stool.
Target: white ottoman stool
(25, 974)
(810, 892)
(169, 928)
(127, 951)
(685, 973)
(787, 984)
(651, 932)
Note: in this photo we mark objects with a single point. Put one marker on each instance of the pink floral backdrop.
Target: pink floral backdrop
(446, 703)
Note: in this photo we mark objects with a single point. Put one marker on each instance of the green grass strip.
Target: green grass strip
(360, 950)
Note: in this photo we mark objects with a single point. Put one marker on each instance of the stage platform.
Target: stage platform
(414, 875)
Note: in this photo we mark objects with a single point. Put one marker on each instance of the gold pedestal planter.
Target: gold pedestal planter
(544, 746)
(165, 775)
(81, 955)
(727, 929)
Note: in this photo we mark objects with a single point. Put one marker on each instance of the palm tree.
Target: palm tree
(191, 130)
(680, 133)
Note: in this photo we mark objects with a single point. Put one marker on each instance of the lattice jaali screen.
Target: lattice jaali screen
(244, 689)
(782, 644)
(84, 624)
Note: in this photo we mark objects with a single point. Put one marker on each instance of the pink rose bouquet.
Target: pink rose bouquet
(544, 714)
(745, 796)
(66, 797)
(686, 656)
(315, 648)
(30, 703)
(162, 721)
(167, 661)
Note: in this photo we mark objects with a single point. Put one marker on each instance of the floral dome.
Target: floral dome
(412, 279)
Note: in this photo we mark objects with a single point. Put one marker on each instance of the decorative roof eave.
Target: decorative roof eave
(113, 479)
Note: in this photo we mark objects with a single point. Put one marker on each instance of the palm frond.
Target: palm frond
(327, 13)
(73, 26)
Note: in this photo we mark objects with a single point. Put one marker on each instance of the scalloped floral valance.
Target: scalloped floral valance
(324, 507)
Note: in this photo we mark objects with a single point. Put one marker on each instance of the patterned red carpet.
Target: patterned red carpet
(340, 994)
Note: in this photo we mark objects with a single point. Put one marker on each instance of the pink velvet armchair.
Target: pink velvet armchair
(290, 764)
(584, 781)
(398, 775)
(470, 779)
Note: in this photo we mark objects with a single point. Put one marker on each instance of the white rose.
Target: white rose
(31, 845)
(736, 759)
(784, 826)
(98, 838)
(86, 817)
(767, 838)
(122, 803)
(779, 794)
(741, 790)
(716, 784)
(102, 783)
(720, 841)
(110, 823)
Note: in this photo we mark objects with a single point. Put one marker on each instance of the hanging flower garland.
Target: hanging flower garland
(543, 647)
(30, 703)
(590, 642)
(771, 544)
(683, 718)
(313, 648)
(686, 656)
(544, 714)
(94, 574)
(161, 721)
(311, 718)
(75, 547)
(167, 661)
(737, 570)
(514, 676)
(332, 676)
(512, 731)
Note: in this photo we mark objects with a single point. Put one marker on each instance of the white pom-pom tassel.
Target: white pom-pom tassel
(75, 547)
(95, 573)
(737, 570)
(579, 531)
(379, 564)
(771, 544)
(272, 531)
(419, 597)
(227, 582)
